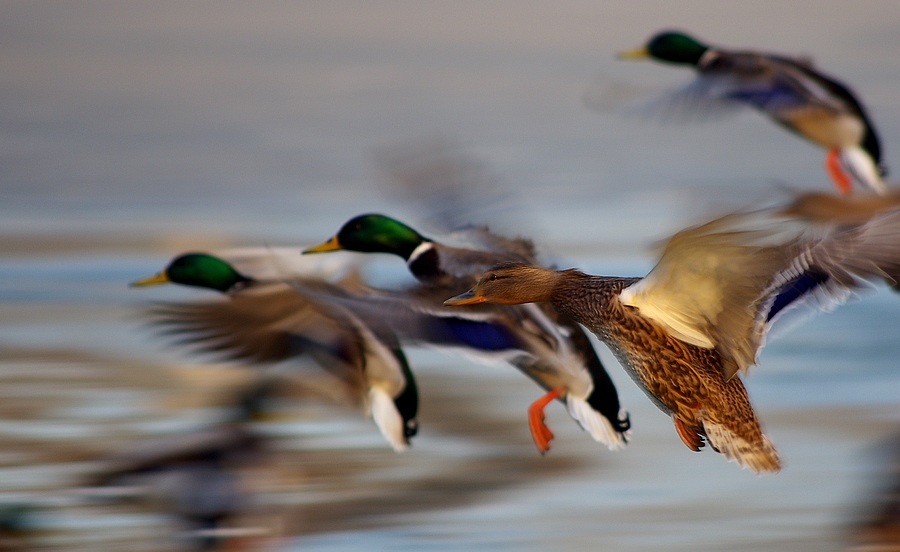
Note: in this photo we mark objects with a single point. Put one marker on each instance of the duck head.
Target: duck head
(373, 233)
(671, 47)
(198, 270)
(510, 284)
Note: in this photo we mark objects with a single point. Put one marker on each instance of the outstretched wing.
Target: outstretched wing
(773, 84)
(722, 285)
(727, 81)
(450, 189)
(267, 323)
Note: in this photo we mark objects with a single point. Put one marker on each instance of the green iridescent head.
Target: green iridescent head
(198, 270)
(373, 234)
(672, 47)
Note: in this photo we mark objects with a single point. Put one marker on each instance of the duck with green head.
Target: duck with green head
(199, 270)
(270, 321)
(701, 316)
(549, 348)
(790, 91)
(429, 261)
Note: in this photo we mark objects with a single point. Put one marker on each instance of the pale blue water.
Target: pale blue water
(259, 123)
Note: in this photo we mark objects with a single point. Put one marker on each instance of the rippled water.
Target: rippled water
(129, 133)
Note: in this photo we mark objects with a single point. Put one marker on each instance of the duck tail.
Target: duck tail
(595, 423)
(758, 457)
(861, 168)
(387, 418)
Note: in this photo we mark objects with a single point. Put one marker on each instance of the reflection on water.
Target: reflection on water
(130, 134)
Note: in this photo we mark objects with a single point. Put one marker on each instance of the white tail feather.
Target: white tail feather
(862, 168)
(594, 423)
(387, 418)
(757, 458)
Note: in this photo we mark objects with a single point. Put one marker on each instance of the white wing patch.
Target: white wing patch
(862, 168)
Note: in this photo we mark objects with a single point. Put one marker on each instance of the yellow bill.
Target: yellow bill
(154, 280)
(637, 53)
(330, 245)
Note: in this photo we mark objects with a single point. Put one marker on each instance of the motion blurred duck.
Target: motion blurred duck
(789, 91)
(270, 321)
(199, 477)
(701, 315)
(548, 347)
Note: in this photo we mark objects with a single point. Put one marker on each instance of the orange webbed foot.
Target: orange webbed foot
(690, 438)
(539, 430)
(841, 180)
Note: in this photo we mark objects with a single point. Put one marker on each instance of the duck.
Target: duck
(267, 321)
(199, 477)
(549, 348)
(699, 318)
(789, 91)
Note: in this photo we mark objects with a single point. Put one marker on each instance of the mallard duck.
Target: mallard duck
(195, 476)
(790, 91)
(548, 347)
(701, 315)
(270, 321)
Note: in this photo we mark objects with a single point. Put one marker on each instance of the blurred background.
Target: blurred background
(133, 131)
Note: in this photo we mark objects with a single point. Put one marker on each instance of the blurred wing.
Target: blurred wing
(688, 103)
(723, 284)
(869, 251)
(417, 316)
(505, 249)
(779, 86)
(448, 188)
(707, 287)
(842, 209)
(701, 100)
(467, 265)
(266, 323)
(782, 88)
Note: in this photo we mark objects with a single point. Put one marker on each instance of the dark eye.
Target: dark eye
(492, 277)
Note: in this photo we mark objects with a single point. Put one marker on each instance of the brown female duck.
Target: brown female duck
(701, 315)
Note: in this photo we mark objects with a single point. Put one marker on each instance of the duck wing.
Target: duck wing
(728, 81)
(450, 188)
(460, 267)
(481, 238)
(842, 209)
(269, 322)
(770, 83)
(722, 285)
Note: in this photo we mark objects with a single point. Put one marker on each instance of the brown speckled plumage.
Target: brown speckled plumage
(700, 317)
(683, 380)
